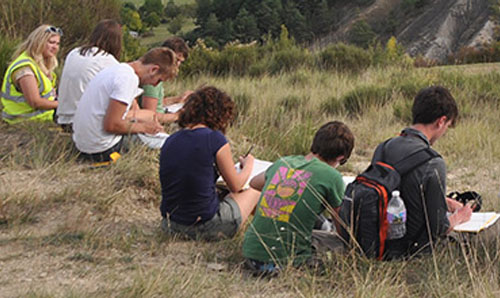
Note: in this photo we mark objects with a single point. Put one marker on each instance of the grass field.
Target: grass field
(68, 230)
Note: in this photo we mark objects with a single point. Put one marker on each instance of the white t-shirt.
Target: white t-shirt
(117, 82)
(77, 72)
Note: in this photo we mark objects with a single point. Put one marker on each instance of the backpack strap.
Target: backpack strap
(407, 163)
(412, 161)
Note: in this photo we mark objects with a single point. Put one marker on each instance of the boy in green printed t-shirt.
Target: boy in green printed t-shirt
(295, 190)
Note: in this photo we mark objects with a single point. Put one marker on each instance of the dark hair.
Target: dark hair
(432, 103)
(209, 106)
(178, 45)
(164, 58)
(332, 140)
(107, 37)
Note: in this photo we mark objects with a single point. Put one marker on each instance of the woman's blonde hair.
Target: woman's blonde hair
(34, 46)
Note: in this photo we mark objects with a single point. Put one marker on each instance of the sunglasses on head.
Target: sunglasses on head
(53, 29)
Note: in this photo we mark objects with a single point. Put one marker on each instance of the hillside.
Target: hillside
(433, 29)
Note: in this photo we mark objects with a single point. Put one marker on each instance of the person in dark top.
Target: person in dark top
(190, 161)
(423, 190)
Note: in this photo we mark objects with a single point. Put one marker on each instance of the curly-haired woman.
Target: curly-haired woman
(28, 89)
(190, 161)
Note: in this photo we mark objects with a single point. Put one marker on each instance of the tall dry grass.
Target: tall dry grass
(69, 230)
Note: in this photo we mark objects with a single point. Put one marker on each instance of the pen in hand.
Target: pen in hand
(245, 156)
(249, 150)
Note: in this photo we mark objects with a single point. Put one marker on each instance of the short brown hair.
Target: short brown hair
(432, 103)
(332, 140)
(178, 45)
(107, 37)
(209, 106)
(164, 58)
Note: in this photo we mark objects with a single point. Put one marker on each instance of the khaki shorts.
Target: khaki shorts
(224, 224)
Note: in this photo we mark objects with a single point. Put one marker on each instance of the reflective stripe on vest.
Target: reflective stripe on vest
(8, 84)
(26, 116)
(16, 107)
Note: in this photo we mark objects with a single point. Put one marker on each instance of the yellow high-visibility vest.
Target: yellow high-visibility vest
(15, 105)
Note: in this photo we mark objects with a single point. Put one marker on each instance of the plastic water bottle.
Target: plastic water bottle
(396, 216)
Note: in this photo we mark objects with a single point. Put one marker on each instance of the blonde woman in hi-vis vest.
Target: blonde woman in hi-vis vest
(28, 88)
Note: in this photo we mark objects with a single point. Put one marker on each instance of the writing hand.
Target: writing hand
(246, 161)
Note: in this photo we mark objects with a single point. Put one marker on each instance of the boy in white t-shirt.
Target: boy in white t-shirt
(101, 118)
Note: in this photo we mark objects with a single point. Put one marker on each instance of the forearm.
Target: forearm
(242, 177)
(42, 104)
(172, 99)
(141, 115)
(126, 126)
(29, 88)
(168, 117)
(149, 103)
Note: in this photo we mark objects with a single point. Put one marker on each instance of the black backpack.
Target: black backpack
(364, 207)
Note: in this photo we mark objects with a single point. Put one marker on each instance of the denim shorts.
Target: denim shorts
(224, 224)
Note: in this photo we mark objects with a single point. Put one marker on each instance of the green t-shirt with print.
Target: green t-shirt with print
(295, 192)
(155, 92)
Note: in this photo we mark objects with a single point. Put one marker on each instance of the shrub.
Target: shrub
(332, 105)
(358, 100)
(362, 34)
(132, 48)
(344, 57)
(299, 77)
(288, 59)
(410, 87)
(421, 61)
(402, 110)
(291, 102)
(7, 47)
(236, 59)
(202, 59)
(468, 55)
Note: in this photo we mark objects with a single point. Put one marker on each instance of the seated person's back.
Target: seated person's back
(296, 190)
(83, 63)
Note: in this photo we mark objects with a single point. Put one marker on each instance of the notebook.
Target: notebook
(478, 222)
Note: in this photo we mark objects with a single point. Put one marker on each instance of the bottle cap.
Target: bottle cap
(395, 193)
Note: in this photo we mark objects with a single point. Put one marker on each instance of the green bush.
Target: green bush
(202, 59)
(358, 100)
(236, 59)
(344, 57)
(288, 59)
(300, 77)
(332, 105)
(410, 87)
(402, 110)
(362, 34)
(132, 48)
(7, 47)
(292, 102)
